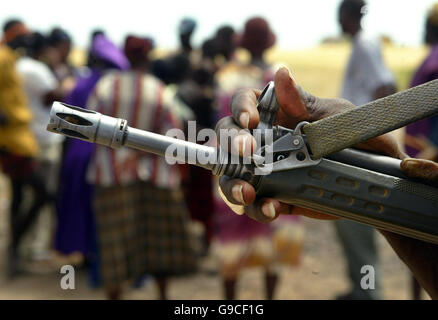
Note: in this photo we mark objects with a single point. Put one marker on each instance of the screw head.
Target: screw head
(296, 142)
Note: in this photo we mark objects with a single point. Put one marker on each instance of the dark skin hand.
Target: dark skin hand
(383, 91)
(297, 105)
(421, 257)
(3, 120)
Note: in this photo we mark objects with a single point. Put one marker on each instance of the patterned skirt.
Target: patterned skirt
(142, 229)
(241, 242)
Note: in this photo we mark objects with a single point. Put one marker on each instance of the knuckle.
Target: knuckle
(222, 124)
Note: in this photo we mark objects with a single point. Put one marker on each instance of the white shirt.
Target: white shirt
(38, 81)
(366, 71)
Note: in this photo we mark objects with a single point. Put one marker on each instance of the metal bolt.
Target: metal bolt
(296, 142)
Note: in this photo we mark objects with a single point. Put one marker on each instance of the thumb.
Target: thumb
(288, 97)
(419, 168)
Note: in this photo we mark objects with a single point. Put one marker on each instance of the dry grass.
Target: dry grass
(320, 69)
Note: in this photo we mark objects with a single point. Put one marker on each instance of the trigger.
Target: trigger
(267, 107)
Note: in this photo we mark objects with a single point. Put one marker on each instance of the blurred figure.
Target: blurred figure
(242, 242)
(18, 145)
(225, 42)
(421, 139)
(186, 28)
(177, 67)
(61, 41)
(13, 29)
(193, 73)
(140, 211)
(76, 231)
(198, 92)
(42, 88)
(366, 79)
(94, 34)
(209, 51)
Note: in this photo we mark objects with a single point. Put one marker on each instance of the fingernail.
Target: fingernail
(236, 191)
(290, 73)
(243, 142)
(409, 163)
(269, 210)
(286, 68)
(244, 119)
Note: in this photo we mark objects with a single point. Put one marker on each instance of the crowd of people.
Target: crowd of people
(128, 213)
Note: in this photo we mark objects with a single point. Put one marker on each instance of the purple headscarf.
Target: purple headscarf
(107, 51)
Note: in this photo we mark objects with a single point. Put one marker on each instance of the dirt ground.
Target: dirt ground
(320, 276)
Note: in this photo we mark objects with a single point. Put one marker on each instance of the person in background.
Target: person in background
(198, 92)
(225, 42)
(18, 145)
(240, 241)
(177, 67)
(42, 88)
(61, 41)
(140, 210)
(75, 230)
(186, 29)
(421, 138)
(94, 34)
(366, 79)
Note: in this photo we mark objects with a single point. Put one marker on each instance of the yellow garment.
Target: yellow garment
(16, 136)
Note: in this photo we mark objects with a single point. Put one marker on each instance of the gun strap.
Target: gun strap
(373, 119)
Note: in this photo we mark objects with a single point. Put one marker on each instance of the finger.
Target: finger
(237, 191)
(413, 142)
(238, 209)
(288, 97)
(232, 138)
(264, 210)
(419, 168)
(384, 144)
(244, 108)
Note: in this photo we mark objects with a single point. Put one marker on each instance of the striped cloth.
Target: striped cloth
(140, 212)
(146, 104)
(142, 230)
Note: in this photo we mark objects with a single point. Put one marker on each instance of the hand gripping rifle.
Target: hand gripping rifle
(310, 166)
